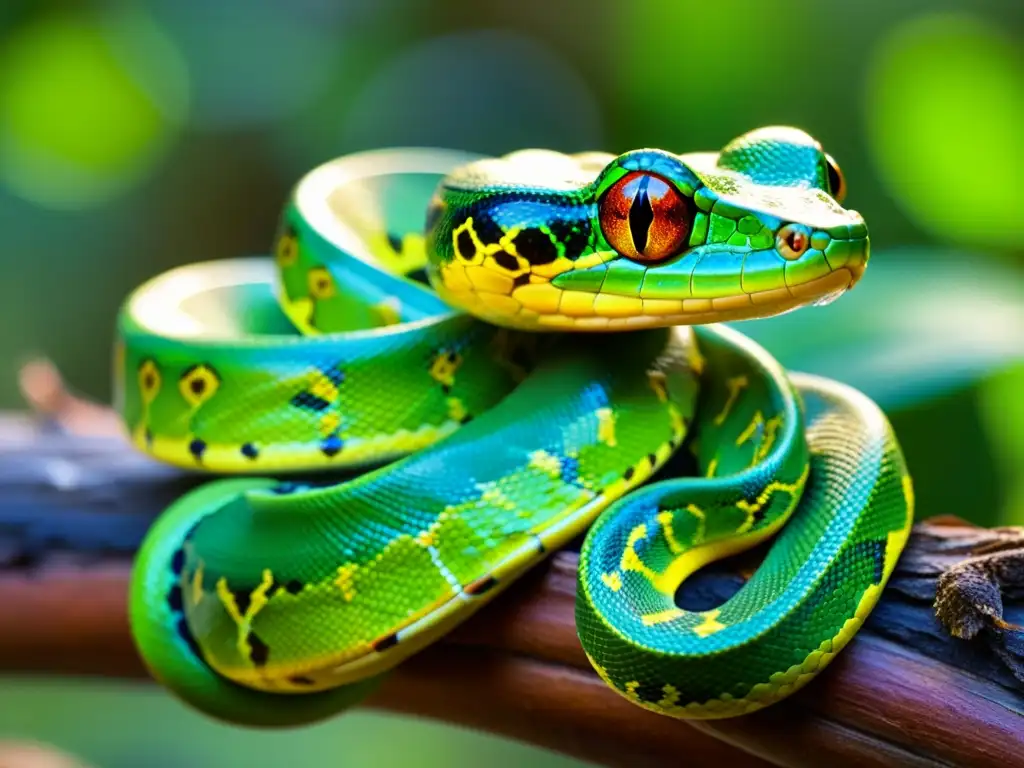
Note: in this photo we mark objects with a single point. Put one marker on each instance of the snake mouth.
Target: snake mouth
(710, 283)
(609, 312)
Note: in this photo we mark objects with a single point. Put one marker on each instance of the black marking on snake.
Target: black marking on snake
(481, 585)
(191, 530)
(641, 215)
(506, 260)
(198, 385)
(331, 446)
(628, 474)
(334, 374)
(259, 651)
(175, 599)
(383, 643)
(760, 509)
(310, 401)
(242, 600)
(874, 550)
(649, 692)
(567, 220)
(485, 223)
(178, 562)
(570, 470)
(465, 246)
(301, 680)
(523, 279)
(652, 459)
(419, 275)
(573, 235)
(292, 587)
(149, 437)
(197, 448)
(535, 246)
(250, 451)
(323, 281)
(852, 559)
(396, 243)
(186, 634)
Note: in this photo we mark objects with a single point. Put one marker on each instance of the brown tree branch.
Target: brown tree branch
(73, 508)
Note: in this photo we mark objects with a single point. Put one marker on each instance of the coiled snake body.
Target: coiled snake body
(571, 346)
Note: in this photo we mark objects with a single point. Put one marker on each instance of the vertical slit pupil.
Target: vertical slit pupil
(641, 215)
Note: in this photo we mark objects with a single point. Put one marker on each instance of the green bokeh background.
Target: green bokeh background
(136, 137)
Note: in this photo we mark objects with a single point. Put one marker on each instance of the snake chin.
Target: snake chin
(829, 297)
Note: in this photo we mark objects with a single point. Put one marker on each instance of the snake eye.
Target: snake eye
(198, 384)
(792, 241)
(645, 218)
(836, 180)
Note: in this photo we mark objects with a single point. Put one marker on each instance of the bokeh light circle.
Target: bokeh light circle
(945, 101)
(87, 105)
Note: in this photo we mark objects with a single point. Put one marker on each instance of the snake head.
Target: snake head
(541, 240)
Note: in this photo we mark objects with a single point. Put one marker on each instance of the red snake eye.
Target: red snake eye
(645, 218)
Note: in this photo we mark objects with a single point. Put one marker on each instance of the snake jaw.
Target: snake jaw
(712, 284)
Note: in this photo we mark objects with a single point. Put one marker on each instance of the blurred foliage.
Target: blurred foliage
(936, 82)
(82, 119)
(136, 138)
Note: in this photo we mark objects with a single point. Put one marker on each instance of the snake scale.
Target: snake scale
(473, 361)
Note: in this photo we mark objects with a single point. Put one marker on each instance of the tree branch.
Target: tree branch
(905, 692)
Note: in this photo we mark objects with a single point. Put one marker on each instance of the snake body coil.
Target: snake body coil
(509, 376)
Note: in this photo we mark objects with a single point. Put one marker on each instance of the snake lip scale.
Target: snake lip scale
(466, 362)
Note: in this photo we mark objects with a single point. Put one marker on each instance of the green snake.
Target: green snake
(485, 359)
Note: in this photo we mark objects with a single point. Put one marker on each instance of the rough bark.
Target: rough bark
(73, 508)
